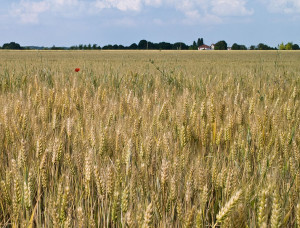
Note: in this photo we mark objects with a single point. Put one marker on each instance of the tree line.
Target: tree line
(148, 45)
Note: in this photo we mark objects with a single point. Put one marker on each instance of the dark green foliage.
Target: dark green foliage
(12, 45)
(296, 47)
(236, 46)
(221, 45)
(262, 46)
(57, 48)
(133, 46)
(143, 44)
(148, 45)
(200, 42)
(180, 46)
(194, 45)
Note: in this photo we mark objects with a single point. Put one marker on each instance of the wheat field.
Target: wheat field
(149, 139)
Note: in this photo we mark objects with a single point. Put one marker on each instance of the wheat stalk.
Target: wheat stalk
(227, 209)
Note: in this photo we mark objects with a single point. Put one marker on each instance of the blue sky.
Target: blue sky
(70, 22)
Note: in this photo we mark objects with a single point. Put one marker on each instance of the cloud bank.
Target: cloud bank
(30, 11)
(283, 6)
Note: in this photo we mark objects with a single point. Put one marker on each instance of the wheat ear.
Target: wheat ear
(227, 209)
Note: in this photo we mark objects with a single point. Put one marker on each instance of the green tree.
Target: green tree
(289, 46)
(133, 46)
(180, 46)
(262, 46)
(200, 42)
(235, 46)
(165, 46)
(296, 47)
(221, 45)
(151, 45)
(143, 44)
(281, 46)
(194, 45)
(74, 48)
(12, 45)
(243, 47)
(107, 47)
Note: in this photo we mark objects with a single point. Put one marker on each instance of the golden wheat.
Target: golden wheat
(149, 138)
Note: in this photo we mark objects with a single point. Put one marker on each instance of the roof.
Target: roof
(204, 46)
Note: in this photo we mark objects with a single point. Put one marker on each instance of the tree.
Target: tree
(95, 47)
(296, 47)
(143, 44)
(57, 48)
(74, 47)
(235, 46)
(180, 46)
(200, 42)
(281, 46)
(133, 46)
(221, 45)
(165, 46)
(12, 45)
(107, 47)
(289, 46)
(194, 46)
(252, 47)
(243, 47)
(262, 46)
(151, 45)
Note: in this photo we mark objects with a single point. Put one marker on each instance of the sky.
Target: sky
(102, 22)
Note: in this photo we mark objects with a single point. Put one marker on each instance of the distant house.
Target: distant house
(229, 48)
(206, 47)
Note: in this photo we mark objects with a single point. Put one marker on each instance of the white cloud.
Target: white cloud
(123, 5)
(190, 10)
(28, 12)
(153, 2)
(194, 11)
(211, 11)
(230, 8)
(283, 6)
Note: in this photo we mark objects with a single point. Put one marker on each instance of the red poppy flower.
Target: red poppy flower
(77, 69)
